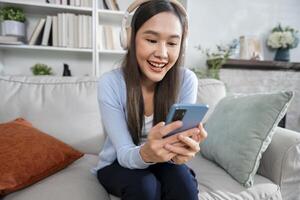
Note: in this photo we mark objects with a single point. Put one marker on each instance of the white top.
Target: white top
(146, 128)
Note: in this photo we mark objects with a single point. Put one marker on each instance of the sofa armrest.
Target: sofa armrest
(281, 162)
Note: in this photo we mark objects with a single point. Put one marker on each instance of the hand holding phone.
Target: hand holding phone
(190, 115)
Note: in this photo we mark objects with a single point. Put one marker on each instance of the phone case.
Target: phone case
(190, 115)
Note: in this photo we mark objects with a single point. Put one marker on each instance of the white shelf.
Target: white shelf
(45, 48)
(113, 52)
(45, 8)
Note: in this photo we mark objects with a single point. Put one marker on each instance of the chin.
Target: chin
(157, 78)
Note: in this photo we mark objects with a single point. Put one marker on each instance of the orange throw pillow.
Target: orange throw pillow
(28, 155)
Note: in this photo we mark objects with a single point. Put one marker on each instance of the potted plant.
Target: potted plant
(41, 69)
(216, 59)
(283, 39)
(12, 21)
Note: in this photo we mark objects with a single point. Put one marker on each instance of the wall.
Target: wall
(218, 22)
(214, 22)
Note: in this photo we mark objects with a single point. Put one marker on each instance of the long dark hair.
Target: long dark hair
(166, 91)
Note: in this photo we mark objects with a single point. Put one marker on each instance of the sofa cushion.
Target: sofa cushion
(216, 184)
(75, 182)
(65, 107)
(28, 155)
(240, 129)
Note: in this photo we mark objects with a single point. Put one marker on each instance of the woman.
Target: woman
(136, 162)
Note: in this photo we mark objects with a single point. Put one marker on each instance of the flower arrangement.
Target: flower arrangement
(283, 37)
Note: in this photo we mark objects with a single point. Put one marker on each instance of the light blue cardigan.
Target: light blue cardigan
(112, 103)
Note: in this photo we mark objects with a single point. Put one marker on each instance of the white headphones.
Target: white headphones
(125, 33)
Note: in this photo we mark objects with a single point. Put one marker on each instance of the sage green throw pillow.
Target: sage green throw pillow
(240, 129)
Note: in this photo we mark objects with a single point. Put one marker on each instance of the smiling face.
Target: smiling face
(158, 44)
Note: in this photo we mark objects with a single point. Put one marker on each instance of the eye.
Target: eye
(172, 43)
(151, 41)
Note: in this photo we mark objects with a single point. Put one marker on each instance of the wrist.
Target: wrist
(144, 154)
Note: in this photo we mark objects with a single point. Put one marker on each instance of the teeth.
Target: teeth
(157, 65)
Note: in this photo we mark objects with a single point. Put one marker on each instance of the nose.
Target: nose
(161, 51)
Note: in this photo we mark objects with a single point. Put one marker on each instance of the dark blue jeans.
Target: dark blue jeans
(159, 181)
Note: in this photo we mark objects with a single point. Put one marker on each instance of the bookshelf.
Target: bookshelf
(44, 48)
(17, 59)
(94, 61)
(109, 58)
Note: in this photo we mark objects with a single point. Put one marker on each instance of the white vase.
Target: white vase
(13, 28)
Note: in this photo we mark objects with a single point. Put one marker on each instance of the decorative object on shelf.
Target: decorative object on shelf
(216, 59)
(12, 21)
(282, 54)
(41, 69)
(283, 39)
(67, 71)
(250, 48)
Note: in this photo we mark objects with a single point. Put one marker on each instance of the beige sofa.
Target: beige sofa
(67, 109)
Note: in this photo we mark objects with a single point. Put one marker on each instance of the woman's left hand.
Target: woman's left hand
(190, 148)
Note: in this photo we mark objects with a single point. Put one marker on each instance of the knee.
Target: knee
(180, 183)
(147, 187)
(184, 190)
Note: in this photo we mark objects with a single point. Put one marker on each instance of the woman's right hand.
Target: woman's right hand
(153, 150)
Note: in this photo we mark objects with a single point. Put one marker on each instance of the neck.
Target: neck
(148, 85)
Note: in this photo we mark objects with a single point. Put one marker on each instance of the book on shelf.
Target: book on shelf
(78, 3)
(47, 31)
(63, 30)
(71, 30)
(9, 40)
(101, 5)
(108, 38)
(86, 3)
(55, 31)
(37, 32)
(115, 4)
(111, 4)
(51, 1)
(84, 33)
(64, 2)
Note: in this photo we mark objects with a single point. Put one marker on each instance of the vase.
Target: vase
(282, 54)
(13, 28)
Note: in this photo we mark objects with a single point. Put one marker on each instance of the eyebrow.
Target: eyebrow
(157, 34)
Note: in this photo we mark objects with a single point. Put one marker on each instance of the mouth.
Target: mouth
(157, 67)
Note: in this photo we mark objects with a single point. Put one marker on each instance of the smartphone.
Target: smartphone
(190, 115)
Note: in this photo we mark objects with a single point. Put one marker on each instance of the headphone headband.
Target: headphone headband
(126, 31)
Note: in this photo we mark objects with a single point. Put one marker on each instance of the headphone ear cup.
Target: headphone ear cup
(123, 39)
(128, 37)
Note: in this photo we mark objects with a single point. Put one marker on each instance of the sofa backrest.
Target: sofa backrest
(210, 91)
(64, 107)
(67, 107)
